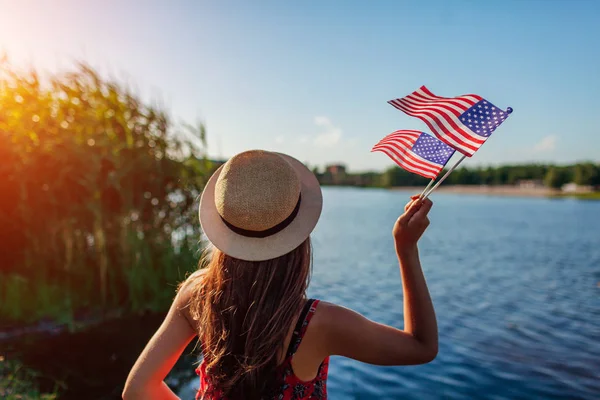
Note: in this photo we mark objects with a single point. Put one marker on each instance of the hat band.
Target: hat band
(267, 232)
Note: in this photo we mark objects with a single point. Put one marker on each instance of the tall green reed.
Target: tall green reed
(94, 182)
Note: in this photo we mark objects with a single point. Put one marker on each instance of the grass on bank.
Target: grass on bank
(580, 196)
(18, 382)
(149, 285)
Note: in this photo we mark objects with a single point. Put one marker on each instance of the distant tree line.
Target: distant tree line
(552, 176)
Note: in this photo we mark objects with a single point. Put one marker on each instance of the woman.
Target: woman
(261, 338)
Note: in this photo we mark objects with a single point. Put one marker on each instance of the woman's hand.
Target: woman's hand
(410, 226)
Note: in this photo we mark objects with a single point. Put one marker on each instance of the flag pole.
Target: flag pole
(427, 187)
(445, 176)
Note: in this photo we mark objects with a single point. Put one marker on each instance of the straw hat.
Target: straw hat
(260, 205)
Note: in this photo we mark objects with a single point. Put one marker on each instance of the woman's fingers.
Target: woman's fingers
(424, 209)
(412, 200)
(410, 211)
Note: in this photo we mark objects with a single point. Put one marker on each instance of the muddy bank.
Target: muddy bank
(93, 362)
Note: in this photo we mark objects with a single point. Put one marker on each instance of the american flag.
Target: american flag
(463, 122)
(416, 152)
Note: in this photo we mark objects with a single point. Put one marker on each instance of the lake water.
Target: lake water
(515, 283)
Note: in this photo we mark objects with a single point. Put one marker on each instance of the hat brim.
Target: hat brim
(259, 249)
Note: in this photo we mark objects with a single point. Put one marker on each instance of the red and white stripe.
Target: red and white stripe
(441, 114)
(398, 146)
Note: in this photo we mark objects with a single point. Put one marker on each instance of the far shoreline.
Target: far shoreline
(504, 190)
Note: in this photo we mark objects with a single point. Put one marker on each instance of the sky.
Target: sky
(312, 78)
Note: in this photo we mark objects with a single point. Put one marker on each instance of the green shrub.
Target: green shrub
(19, 383)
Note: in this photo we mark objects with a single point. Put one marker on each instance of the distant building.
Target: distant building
(335, 174)
(336, 169)
(575, 188)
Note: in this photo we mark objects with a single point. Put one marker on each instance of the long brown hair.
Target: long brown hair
(244, 311)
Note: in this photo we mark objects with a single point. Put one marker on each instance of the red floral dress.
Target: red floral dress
(292, 388)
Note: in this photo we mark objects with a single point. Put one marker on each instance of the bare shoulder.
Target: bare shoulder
(331, 318)
(328, 314)
(186, 292)
(187, 288)
(332, 330)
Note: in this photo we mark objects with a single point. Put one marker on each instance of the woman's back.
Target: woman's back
(285, 384)
(244, 313)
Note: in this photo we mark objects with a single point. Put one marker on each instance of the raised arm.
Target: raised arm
(419, 315)
(349, 334)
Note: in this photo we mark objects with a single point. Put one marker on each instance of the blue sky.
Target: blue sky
(312, 78)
